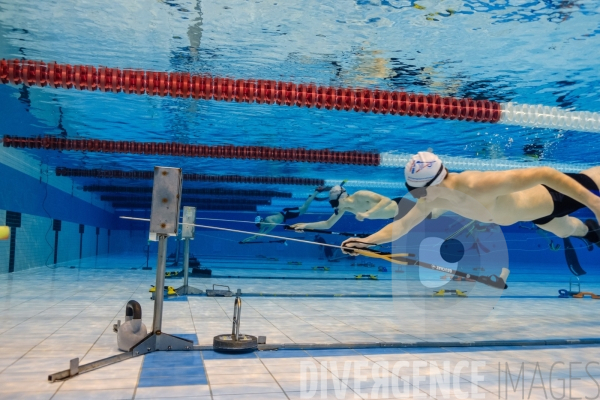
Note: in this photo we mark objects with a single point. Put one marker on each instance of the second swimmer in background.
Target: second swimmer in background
(269, 223)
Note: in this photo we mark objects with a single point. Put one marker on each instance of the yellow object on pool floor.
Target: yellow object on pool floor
(363, 276)
(4, 232)
(581, 295)
(170, 290)
(456, 292)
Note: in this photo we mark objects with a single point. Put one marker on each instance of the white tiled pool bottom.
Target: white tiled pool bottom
(48, 316)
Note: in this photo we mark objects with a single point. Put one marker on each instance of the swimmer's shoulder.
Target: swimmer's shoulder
(367, 194)
(468, 179)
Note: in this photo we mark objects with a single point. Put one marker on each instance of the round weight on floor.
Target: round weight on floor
(226, 344)
(452, 250)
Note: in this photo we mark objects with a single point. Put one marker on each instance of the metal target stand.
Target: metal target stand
(164, 222)
(187, 233)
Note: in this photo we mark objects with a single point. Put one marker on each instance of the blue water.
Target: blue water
(536, 52)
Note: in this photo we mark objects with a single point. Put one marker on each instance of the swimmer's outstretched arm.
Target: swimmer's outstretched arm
(392, 231)
(500, 183)
(321, 224)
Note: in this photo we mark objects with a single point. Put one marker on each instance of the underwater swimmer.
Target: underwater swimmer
(542, 195)
(269, 223)
(364, 204)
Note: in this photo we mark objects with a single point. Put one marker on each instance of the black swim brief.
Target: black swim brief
(290, 213)
(404, 206)
(564, 205)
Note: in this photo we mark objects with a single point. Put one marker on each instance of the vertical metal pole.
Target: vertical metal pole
(237, 315)
(235, 309)
(55, 247)
(148, 255)
(239, 320)
(13, 246)
(160, 283)
(186, 261)
(80, 245)
(176, 262)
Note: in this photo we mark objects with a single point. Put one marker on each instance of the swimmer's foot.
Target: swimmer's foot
(593, 234)
(504, 274)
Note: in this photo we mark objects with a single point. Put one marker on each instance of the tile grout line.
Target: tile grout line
(272, 324)
(276, 381)
(341, 381)
(138, 377)
(96, 341)
(63, 382)
(363, 332)
(303, 320)
(206, 373)
(399, 376)
(36, 315)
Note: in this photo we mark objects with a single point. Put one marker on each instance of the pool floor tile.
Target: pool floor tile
(41, 330)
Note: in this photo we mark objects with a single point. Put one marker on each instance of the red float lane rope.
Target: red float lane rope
(182, 84)
(194, 150)
(217, 192)
(271, 180)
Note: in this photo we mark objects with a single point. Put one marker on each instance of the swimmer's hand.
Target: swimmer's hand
(354, 243)
(249, 239)
(298, 227)
(362, 216)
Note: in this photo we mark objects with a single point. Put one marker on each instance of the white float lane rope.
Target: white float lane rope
(243, 222)
(252, 233)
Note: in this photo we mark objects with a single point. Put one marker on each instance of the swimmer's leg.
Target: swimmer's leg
(304, 207)
(593, 235)
(593, 173)
(565, 226)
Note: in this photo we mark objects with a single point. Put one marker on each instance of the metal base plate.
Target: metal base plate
(188, 291)
(218, 293)
(162, 342)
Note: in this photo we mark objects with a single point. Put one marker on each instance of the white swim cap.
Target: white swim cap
(337, 192)
(424, 169)
(258, 219)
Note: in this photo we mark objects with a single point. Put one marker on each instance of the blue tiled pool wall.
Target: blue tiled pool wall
(44, 210)
(34, 243)
(528, 249)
